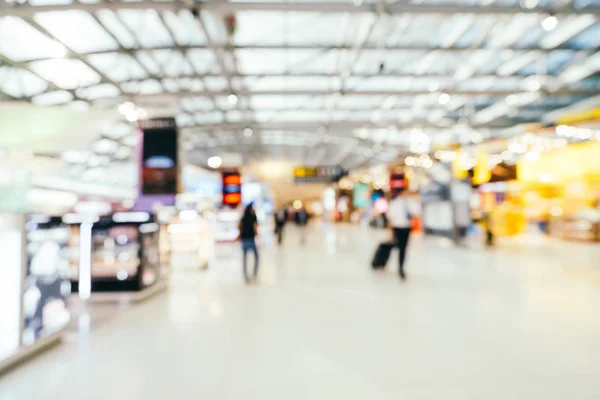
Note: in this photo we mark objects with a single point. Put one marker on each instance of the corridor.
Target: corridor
(517, 322)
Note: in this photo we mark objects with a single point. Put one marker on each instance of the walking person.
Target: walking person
(400, 213)
(248, 227)
(302, 221)
(280, 220)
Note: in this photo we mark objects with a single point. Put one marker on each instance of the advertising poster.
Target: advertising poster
(361, 196)
(47, 283)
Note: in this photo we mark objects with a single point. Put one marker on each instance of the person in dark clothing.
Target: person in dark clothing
(280, 220)
(248, 229)
(302, 221)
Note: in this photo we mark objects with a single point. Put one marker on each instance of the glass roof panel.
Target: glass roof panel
(185, 28)
(31, 43)
(171, 85)
(173, 63)
(290, 83)
(147, 27)
(149, 86)
(20, 83)
(203, 61)
(589, 38)
(78, 30)
(191, 84)
(371, 61)
(66, 73)
(114, 25)
(256, 61)
(277, 28)
(379, 83)
(118, 67)
(48, 2)
(146, 59)
(213, 117)
(196, 103)
(215, 83)
(52, 98)
(103, 90)
(355, 102)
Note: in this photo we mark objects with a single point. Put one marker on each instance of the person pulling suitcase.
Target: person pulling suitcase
(400, 213)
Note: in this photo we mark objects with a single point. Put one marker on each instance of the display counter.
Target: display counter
(226, 229)
(584, 226)
(119, 253)
(34, 285)
(193, 234)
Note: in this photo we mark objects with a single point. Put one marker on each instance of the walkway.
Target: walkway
(518, 322)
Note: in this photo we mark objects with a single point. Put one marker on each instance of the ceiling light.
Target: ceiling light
(126, 108)
(215, 162)
(248, 132)
(444, 98)
(232, 99)
(533, 84)
(131, 116)
(512, 99)
(550, 23)
(530, 4)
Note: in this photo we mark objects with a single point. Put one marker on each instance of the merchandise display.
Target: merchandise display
(10, 286)
(124, 253)
(226, 228)
(192, 236)
(47, 284)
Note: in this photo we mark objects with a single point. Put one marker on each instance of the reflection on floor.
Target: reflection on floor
(517, 322)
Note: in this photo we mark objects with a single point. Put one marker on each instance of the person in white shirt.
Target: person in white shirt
(399, 215)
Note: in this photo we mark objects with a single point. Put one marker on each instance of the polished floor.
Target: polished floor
(521, 321)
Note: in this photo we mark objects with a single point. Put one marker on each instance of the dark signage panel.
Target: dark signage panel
(159, 156)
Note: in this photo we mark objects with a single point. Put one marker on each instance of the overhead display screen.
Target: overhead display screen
(159, 157)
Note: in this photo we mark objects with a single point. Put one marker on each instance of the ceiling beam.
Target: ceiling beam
(228, 7)
(404, 48)
(333, 126)
(431, 76)
(309, 92)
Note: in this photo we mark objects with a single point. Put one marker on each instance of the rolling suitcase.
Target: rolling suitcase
(382, 254)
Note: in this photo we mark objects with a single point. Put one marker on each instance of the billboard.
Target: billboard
(160, 173)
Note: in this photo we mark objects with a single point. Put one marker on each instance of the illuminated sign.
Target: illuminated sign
(232, 187)
(319, 174)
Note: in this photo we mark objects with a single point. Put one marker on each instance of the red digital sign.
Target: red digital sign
(232, 187)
